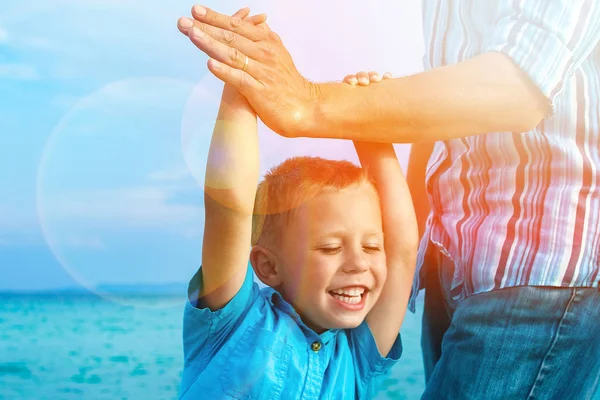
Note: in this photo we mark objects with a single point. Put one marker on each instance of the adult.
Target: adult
(510, 253)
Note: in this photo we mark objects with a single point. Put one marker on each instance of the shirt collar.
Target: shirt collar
(276, 300)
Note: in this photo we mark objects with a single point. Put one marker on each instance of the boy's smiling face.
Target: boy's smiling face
(332, 261)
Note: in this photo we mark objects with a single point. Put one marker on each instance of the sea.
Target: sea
(86, 346)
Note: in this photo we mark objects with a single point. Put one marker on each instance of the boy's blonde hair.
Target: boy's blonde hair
(292, 183)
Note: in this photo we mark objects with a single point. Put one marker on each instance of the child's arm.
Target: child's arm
(232, 171)
(400, 239)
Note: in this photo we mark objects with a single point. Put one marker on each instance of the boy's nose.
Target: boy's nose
(356, 263)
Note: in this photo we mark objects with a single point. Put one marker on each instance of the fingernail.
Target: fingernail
(199, 10)
(185, 23)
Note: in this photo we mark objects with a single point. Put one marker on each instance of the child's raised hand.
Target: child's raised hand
(363, 78)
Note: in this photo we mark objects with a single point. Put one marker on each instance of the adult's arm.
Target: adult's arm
(488, 93)
(536, 47)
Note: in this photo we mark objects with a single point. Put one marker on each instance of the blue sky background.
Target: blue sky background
(106, 112)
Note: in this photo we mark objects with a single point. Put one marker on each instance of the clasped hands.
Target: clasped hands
(245, 53)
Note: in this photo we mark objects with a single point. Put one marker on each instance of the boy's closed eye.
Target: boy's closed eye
(330, 249)
(370, 248)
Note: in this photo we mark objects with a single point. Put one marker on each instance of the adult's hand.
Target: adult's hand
(253, 59)
(255, 19)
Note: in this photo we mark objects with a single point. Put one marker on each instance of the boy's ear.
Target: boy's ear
(265, 265)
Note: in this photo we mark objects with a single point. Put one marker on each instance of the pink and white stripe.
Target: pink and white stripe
(510, 208)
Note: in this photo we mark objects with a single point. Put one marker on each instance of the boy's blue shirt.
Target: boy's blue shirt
(257, 347)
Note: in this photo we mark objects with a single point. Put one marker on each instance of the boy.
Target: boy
(327, 326)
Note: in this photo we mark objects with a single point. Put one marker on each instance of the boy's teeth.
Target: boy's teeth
(347, 299)
(349, 292)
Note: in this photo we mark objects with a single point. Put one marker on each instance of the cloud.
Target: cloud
(40, 43)
(145, 93)
(28, 42)
(132, 101)
(170, 175)
(193, 232)
(22, 72)
(69, 44)
(82, 242)
(21, 37)
(65, 101)
(142, 207)
(79, 37)
(16, 217)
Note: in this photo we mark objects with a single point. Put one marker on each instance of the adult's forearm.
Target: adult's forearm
(488, 93)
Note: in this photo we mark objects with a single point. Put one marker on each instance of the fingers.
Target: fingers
(233, 24)
(364, 79)
(230, 56)
(257, 19)
(360, 78)
(351, 79)
(235, 77)
(220, 42)
(242, 12)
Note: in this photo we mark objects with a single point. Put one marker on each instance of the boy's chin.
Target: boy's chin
(334, 319)
(336, 323)
(346, 323)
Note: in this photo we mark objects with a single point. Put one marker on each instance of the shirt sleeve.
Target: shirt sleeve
(548, 39)
(369, 363)
(204, 331)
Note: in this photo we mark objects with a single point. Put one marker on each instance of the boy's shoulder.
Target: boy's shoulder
(253, 305)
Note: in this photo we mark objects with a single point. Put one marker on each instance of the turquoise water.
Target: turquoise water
(87, 347)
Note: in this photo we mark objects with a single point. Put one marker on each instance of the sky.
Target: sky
(106, 112)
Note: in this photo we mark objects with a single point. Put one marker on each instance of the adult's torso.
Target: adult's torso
(516, 208)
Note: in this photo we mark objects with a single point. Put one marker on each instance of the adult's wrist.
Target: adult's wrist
(319, 114)
(304, 121)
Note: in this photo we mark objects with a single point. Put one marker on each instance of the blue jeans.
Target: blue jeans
(514, 343)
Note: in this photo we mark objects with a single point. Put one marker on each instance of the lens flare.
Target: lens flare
(117, 201)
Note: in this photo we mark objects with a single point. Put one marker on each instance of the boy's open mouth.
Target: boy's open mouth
(350, 295)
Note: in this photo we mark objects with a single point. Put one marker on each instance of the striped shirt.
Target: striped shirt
(509, 208)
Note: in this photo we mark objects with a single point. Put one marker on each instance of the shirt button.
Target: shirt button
(316, 346)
